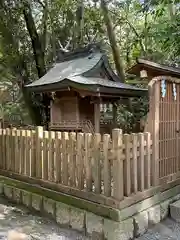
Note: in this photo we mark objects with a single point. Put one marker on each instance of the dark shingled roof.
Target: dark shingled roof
(75, 69)
(154, 69)
(65, 70)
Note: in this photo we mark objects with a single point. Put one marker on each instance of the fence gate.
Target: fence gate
(167, 124)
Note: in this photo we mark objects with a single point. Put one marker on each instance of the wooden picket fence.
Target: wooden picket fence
(113, 167)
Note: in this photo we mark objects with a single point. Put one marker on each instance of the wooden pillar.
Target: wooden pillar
(114, 114)
(97, 116)
(51, 112)
(155, 133)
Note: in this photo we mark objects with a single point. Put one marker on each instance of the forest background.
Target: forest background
(32, 32)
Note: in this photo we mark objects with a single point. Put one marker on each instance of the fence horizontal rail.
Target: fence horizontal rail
(115, 167)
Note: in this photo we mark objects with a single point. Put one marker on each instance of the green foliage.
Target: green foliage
(143, 28)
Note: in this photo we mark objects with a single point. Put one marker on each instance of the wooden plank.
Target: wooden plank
(23, 149)
(45, 155)
(127, 166)
(106, 166)
(51, 155)
(72, 159)
(148, 161)
(118, 175)
(1, 148)
(58, 158)
(8, 160)
(10, 149)
(33, 154)
(88, 161)
(79, 161)
(141, 163)
(17, 152)
(28, 153)
(13, 136)
(134, 163)
(97, 163)
(65, 175)
(38, 139)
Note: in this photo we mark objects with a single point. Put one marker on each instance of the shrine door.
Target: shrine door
(169, 130)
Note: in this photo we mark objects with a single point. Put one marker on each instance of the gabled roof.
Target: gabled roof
(154, 69)
(79, 68)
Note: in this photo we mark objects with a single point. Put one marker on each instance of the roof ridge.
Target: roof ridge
(79, 52)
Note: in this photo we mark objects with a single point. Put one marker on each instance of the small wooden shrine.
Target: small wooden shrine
(148, 69)
(79, 84)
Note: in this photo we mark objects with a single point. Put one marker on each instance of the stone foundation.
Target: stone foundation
(89, 223)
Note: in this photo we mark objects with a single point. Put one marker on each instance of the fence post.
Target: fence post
(1, 147)
(107, 166)
(148, 170)
(118, 191)
(127, 166)
(134, 163)
(51, 156)
(46, 146)
(79, 162)
(97, 163)
(8, 160)
(72, 159)
(38, 163)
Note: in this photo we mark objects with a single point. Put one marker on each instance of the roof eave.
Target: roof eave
(66, 85)
(145, 64)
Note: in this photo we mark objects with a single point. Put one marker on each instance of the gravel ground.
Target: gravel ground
(17, 218)
(21, 219)
(166, 230)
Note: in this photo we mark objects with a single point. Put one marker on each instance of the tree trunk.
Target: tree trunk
(38, 53)
(113, 42)
(80, 22)
(35, 40)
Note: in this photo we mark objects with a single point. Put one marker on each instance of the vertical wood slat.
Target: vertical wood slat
(141, 162)
(28, 153)
(1, 148)
(17, 151)
(58, 157)
(20, 151)
(65, 175)
(106, 166)
(177, 128)
(97, 163)
(148, 161)
(38, 140)
(88, 161)
(13, 134)
(79, 160)
(23, 149)
(134, 163)
(118, 175)
(45, 155)
(72, 159)
(33, 155)
(51, 155)
(10, 149)
(8, 160)
(127, 166)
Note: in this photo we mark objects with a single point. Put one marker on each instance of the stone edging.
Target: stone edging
(87, 222)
